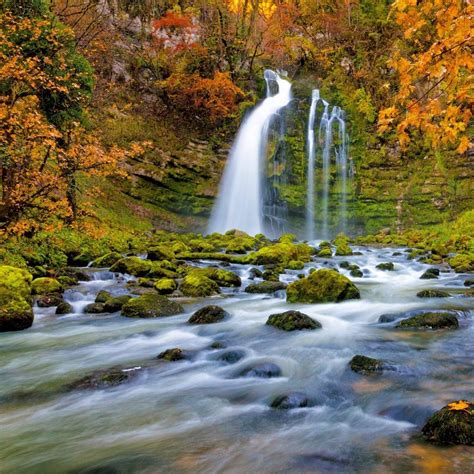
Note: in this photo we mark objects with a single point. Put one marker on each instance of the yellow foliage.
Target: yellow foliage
(458, 406)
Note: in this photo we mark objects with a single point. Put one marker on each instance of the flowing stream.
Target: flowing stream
(201, 415)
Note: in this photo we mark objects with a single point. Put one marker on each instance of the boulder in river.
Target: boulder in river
(116, 303)
(64, 308)
(343, 249)
(106, 260)
(15, 312)
(265, 287)
(469, 282)
(255, 273)
(430, 320)
(264, 370)
(160, 252)
(132, 266)
(165, 286)
(208, 315)
(172, 355)
(386, 266)
(232, 356)
(356, 273)
(106, 378)
(432, 294)
(453, 424)
(292, 321)
(365, 365)
(290, 401)
(322, 286)
(51, 299)
(150, 305)
(102, 296)
(197, 285)
(430, 274)
(95, 308)
(45, 285)
(271, 275)
(325, 252)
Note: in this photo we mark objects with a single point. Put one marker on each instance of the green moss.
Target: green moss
(292, 321)
(462, 263)
(430, 321)
(150, 305)
(15, 312)
(107, 260)
(322, 286)
(43, 286)
(160, 252)
(432, 294)
(365, 365)
(280, 253)
(131, 265)
(197, 285)
(325, 252)
(15, 280)
(102, 296)
(208, 315)
(295, 265)
(116, 303)
(343, 249)
(265, 287)
(165, 286)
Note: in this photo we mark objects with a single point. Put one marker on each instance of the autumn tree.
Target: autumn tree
(434, 64)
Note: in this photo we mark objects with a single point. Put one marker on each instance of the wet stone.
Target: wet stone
(265, 370)
(290, 401)
(432, 294)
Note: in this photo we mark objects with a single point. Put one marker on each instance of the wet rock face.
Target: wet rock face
(290, 401)
(265, 370)
(322, 286)
(102, 296)
(172, 355)
(16, 313)
(46, 301)
(265, 287)
(430, 274)
(432, 294)
(95, 308)
(231, 357)
(430, 320)
(292, 321)
(64, 308)
(387, 266)
(208, 315)
(106, 378)
(453, 424)
(365, 365)
(255, 273)
(150, 305)
(116, 303)
(469, 282)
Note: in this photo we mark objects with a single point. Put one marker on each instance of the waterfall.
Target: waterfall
(240, 201)
(342, 169)
(311, 159)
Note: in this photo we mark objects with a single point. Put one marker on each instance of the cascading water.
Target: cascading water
(342, 167)
(239, 204)
(325, 136)
(311, 161)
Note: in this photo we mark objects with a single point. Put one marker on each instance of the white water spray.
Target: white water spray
(311, 160)
(239, 204)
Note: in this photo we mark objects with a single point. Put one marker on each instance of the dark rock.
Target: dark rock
(150, 305)
(255, 273)
(430, 320)
(453, 424)
(265, 287)
(387, 266)
(102, 296)
(172, 355)
(290, 401)
(208, 315)
(15, 312)
(264, 370)
(106, 378)
(292, 321)
(469, 282)
(64, 308)
(116, 303)
(231, 357)
(348, 266)
(356, 273)
(46, 301)
(430, 274)
(217, 345)
(269, 275)
(432, 294)
(95, 308)
(365, 365)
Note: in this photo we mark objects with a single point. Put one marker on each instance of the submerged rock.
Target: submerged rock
(322, 286)
(290, 401)
(106, 378)
(430, 320)
(231, 357)
(365, 365)
(265, 287)
(208, 315)
(292, 321)
(150, 305)
(172, 355)
(432, 294)
(264, 370)
(469, 282)
(356, 273)
(430, 274)
(386, 266)
(453, 424)
(64, 308)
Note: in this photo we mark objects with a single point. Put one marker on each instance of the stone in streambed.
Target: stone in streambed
(16, 313)
(356, 273)
(264, 370)
(43, 286)
(430, 320)
(132, 266)
(265, 287)
(453, 424)
(365, 365)
(430, 274)
(105, 378)
(197, 285)
(290, 401)
(106, 260)
(386, 266)
(47, 301)
(208, 315)
(232, 356)
(322, 286)
(95, 308)
(432, 294)
(269, 275)
(292, 321)
(102, 296)
(165, 286)
(150, 305)
(469, 282)
(255, 273)
(172, 355)
(64, 308)
(116, 303)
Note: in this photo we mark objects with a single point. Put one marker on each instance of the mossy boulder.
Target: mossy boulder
(432, 294)
(197, 285)
(462, 263)
(132, 266)
(162, 269)
(290, 401)
(95, 308)
(271, 275)
(208, 315)
(325, 252)
(469, 282)
(453, 424)
(255, 273)
(172, 355)
(16, 313)
(356, 273)
(107, 378)
(292, 321)
(343, 249)
(386, 266)
(64, 308)
(430, 320)
(67, 281)
(160, 252)
(47, 301)
(116, 303)
(15, 280)
(150, 305)
(107, 260)
(102, 296)
(430, 274)
(322, 286)
(365, 365)
(43, 286)
(265, 287)
(348, 265)
(280, 253)
(295, 265)
(165, 286)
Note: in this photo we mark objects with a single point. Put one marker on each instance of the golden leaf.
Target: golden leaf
(458, 406)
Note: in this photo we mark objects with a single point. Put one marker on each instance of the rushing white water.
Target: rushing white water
(239, 204)
(325, 136)
(311, 159)
(342, 166)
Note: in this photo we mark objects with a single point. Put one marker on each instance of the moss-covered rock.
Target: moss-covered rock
(208, 315)
(197, 285)
(430, 274)
(95, 308)
(386, 266)
(107, 260)
(132, 266)
(280, 253)
(165, 286)
(365, 365)
(325, 252)
(290, 401)
(107, 378)
(271, 275)
(469, 282)
(16, 313)
(322, 286)
(102, 296)
(356, 273)
(43, 286)
(453, 424)
(172, 355)
(47, 301)
(64, 308)
(430, 320)
(348, 265)
(255, 273)
(292, 321)
(15, 280)
(67, 281)
(432, 294)
(162, 269)
(150, 305)
(295, 265)
(462, 263)
(160, 252)
(265, 287)
(343, 249)
(116, 303)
